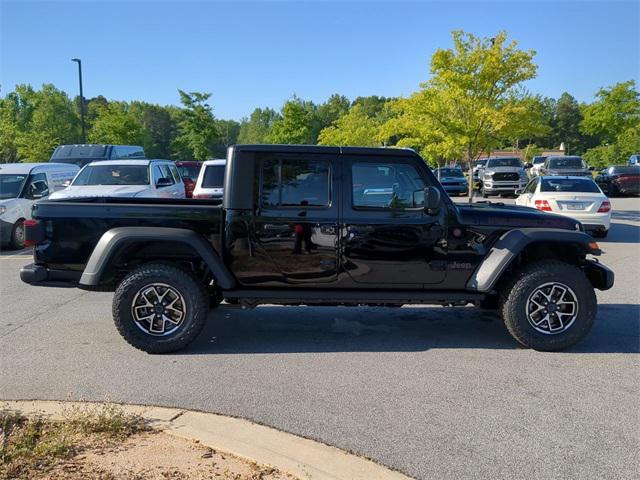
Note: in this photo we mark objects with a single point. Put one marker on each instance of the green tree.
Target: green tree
(197, 132)
(296, 124)
(160, 128)
(615, 118)
(328, 112)
(116, 123)
(355, 128)
(471, 103)
(228, 135)
(256, 128)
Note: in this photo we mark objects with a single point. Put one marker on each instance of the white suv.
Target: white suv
(210, 183)
(126, 178)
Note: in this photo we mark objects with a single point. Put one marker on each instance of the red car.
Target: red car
(189, 172)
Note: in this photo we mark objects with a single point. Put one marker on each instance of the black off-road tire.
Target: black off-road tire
(17, 235)
(514, 296)
(196, 302)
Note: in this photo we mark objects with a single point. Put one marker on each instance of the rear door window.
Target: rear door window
(294, 183)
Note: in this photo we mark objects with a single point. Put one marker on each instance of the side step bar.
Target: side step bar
(250, 298)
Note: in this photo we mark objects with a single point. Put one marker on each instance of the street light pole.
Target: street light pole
(79, 62)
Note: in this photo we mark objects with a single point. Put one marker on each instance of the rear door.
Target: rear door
(296, 220)
(388, 240)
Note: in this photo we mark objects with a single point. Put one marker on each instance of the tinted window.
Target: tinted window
(538, 160)
(380, 185)
(449, 172)
(569, 185)
(11, 185)
(568, 162)
(531, 187)
(78, 152)
(295, 183)
(37, 187)
(113, 175)
(125, 151)
(213, 176)
(174, 172)
(190, 171)
(504, 162)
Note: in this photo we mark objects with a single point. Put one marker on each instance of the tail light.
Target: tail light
(543, 205)
(605, 207)
(33, 233)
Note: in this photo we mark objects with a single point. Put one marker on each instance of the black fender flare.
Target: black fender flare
(511, 243)
(116, 238)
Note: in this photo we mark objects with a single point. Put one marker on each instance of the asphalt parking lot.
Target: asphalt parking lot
(437, 393)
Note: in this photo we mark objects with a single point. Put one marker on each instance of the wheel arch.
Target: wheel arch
(151, 243)
(521, 246)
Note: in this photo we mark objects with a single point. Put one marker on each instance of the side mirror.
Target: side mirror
(66, 183)
(519, 191)
(432, 199)
(163, 182)
(528, 165)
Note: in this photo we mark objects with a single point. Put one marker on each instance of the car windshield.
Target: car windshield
(569, 162)
(538, 160)
(480, 163)
(625, 170)
(504, 162)
(450, 172)
(190, 171)
(113, 175)
(213, 176)
(569, 185)
(11, 185)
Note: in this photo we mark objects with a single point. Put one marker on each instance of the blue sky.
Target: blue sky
(261, 53)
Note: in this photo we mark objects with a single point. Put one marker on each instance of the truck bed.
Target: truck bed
(81, 222)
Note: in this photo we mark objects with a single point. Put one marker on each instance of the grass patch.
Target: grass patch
(32, 445)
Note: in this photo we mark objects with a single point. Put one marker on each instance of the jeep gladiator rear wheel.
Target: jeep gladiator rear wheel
(548, 305)
(160, 308)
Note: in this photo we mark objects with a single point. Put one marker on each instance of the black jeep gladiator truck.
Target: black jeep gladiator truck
(310, 225)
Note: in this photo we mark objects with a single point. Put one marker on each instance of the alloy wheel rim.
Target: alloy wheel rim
(552, 308)
(19, 234)
(158, 309)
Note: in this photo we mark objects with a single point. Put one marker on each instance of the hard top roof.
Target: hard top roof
(324, 149)
(17, 168)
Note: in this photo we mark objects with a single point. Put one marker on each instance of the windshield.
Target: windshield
(213, 177)
(113, 175)
(622, 170)
(504, 162)
(11, 185)
(569, 185)
(190, 171)
(538, 160)
(449, 172)
(569, 162)
(480, 163)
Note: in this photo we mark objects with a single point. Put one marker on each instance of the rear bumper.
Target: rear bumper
(600, 276)
(591, 222)
(39, 275)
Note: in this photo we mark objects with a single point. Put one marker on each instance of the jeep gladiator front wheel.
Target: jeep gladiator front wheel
(548, 305)
(159, 308)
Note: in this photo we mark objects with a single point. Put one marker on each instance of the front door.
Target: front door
(296, 221)
(388, 240)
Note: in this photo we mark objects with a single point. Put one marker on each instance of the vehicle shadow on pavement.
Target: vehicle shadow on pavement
(622, 233)
(273, 329)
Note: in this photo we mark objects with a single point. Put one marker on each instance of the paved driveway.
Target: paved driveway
(437, 393)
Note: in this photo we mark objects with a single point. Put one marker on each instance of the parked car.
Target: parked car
(189, 172)
(565, 165)
(87, 153)
(170, 261)
(620, 179)
(453, 181)
(210, 183)
(576, 197)
(503, 175)
(634, 159)
(21, 185)
(126, 178)
(536, 165)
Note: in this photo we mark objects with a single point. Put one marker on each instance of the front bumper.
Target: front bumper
(456, 188)
(6, 229)
(491, 186)
(40, 275)
(600, 276)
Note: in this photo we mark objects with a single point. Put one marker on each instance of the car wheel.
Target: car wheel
(160, 308)
(548, 305)
(484, 193)
(17, 235)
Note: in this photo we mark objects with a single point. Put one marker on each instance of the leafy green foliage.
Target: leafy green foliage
(116, 123)
(354, 128)
(197, 127)
(256, 128)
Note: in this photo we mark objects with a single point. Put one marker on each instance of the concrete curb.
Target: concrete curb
(289, 453)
